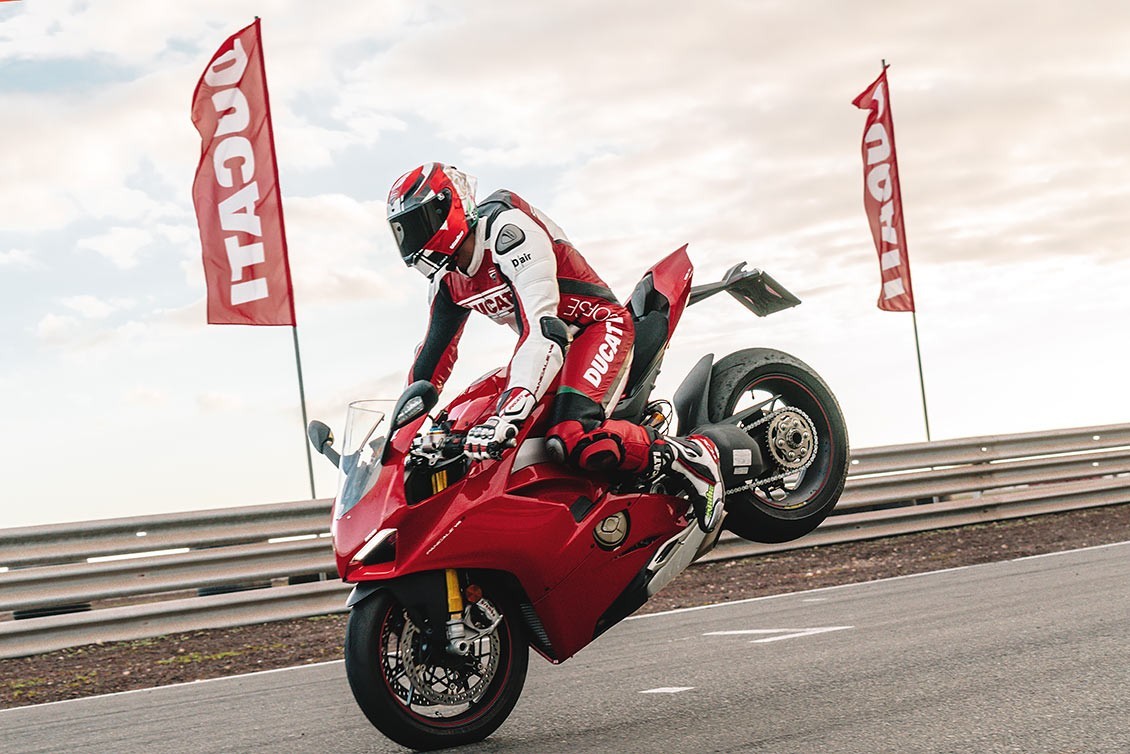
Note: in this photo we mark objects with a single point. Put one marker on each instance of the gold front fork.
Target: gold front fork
(455, 629)
(454, 593)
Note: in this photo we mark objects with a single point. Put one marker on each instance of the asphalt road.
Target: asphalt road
(1030, 655)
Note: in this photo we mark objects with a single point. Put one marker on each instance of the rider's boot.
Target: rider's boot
(691, 465)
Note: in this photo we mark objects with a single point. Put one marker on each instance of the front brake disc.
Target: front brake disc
(454, 683)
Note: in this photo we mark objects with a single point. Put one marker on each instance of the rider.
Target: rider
(507, 260)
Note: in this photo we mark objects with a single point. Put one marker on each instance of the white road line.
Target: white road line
(778, 634)
(836, 587)
(197, 682)
(668, 690)
(1066, 552)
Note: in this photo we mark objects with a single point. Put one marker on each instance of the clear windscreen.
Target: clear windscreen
(365, 428)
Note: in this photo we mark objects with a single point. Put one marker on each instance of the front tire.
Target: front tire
(774, 381)
(427, 699)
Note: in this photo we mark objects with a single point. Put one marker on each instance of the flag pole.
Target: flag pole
(306, 423)
(914, 322)
(918, 353)
(282, 230)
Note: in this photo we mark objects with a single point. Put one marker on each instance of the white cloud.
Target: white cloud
(93, 307)
(218, 403)
(17, 258)
(341, 250)
(56, 328)
(86, 149)
(147, 396)
(122, 246)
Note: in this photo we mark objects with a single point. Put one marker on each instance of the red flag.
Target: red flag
(236, 190)
(882, 198)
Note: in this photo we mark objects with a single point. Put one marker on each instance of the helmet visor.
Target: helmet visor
(414, 227)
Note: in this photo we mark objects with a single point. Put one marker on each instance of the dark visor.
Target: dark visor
(414, 227)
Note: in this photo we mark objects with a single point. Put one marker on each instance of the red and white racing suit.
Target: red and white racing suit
(525, 273)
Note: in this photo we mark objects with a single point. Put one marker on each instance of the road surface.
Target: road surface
(1029, 655)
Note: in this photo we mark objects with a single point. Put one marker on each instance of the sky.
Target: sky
(638, 126)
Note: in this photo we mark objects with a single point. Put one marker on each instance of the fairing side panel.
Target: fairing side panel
(672, 277)
(571, 611)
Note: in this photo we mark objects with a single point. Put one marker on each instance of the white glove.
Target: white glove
(488, 439)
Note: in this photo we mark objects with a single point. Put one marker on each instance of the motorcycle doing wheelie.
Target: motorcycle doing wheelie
(460, 567)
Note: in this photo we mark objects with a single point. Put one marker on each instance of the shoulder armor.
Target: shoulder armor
(509, 236)
(492, 206)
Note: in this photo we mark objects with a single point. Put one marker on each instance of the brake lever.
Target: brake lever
(495, 449)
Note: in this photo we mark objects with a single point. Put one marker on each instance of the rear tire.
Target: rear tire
(385, 660)
(796, 505)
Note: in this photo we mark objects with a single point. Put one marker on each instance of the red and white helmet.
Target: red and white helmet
(431, 210)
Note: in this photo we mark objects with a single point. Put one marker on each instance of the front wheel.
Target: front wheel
(789, 410)
(422, 696)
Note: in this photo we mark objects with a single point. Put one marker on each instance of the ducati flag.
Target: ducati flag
(882, 199)
(236, 190)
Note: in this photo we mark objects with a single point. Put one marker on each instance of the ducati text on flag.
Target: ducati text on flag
(236, 191)
(882, 198)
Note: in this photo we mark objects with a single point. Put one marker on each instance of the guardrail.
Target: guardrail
(891, 490)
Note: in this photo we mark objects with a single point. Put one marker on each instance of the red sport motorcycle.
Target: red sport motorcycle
(460, 567)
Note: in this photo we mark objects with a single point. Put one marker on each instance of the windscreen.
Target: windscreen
(365, 425)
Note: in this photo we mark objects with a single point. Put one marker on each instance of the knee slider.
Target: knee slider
(562, 438)
(556, 330)
(556, 447)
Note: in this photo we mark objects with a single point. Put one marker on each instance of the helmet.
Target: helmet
(431, 210)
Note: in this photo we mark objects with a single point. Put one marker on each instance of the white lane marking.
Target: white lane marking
(904, 577)
(778, 634)
(668, 690)
(1065, 552)
(816, 599)
(197, 682)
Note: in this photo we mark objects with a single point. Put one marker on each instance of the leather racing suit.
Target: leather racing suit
(526, 274)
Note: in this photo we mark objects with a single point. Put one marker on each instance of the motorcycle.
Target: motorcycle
(460, 567)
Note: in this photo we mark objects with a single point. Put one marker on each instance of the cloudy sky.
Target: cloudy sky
(637, 125)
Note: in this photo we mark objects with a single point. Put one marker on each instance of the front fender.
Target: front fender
(423, 594)
(362, 592)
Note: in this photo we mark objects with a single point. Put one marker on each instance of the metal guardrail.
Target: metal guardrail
(69, 543)
(853, 527)
(891, 490)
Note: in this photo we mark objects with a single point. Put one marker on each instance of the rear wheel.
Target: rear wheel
(422, 696)
(789, 410)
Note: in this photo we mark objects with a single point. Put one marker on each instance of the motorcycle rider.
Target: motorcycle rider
(507, 260)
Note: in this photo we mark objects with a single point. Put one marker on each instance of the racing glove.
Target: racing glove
(487, 440)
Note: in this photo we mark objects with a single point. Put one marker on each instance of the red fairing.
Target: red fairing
(672, 277)
(516, 517)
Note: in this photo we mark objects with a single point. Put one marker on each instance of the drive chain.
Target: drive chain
(767, 419)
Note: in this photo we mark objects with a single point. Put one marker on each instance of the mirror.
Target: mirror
(419, 398)
(322, 438)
